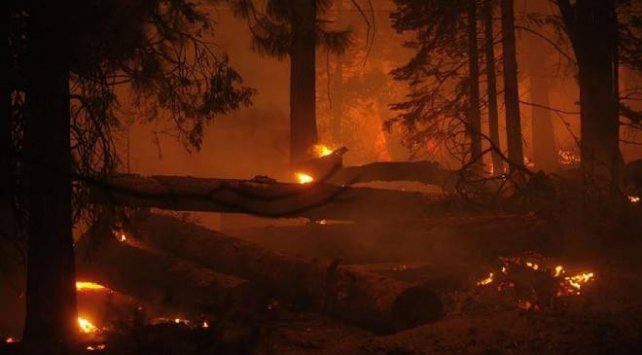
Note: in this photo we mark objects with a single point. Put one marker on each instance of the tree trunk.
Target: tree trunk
(303, 125)
(543, 138)
(337, 101)
(6, 145)
(366, 299)
(511, 89)
(592, 27)
(474, 115)
(51, 293)
(598, 103)
(493, 115)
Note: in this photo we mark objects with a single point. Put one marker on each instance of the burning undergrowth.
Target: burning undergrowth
(534, 283)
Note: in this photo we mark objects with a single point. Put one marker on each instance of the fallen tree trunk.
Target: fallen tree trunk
(263, 198)
(156, 278)
(366, 299)
(419, 171)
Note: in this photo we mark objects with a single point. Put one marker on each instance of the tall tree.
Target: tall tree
(303, 118)
(51, 303)
(543, 138)
(293, 29)
(592, 29)
(491, 77)
(77, 53)
(511, 86)
(474, 119)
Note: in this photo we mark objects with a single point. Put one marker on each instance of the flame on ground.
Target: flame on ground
(634, 199)
(98, 347)
(86, 326)
(487, 280)
(322, 150)
(10, 340)
(574, 283)
(304, 178)
(88, 286)
(568, 157)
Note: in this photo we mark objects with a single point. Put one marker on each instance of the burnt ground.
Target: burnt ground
(451, 257)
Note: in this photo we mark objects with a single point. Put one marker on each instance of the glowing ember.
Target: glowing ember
(321, 150)
(487, 280)
(88, 286)
(304, 178)
(568, 157)
(205, 325)
(86, 326)
(559, 270)
(634, 199)
(98, 347)
(574, 283)
(532, 265)
(122, 238)
(10, 340)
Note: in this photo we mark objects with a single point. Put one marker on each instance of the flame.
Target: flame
(205, 325)
(86, 326)
(559, 270)
(98, 347)
(304, 178)
(576, 281)
(123, 237)
(322, 150)
(88, 286)
(487, 280)
(568, 157)
(634, 199)
(532, 265)
(10, 340)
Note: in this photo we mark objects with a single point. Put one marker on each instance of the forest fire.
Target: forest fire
(303, 178)
(322, 150)
(89, 286)
(568, 157)
(531, 283)
(86, 326)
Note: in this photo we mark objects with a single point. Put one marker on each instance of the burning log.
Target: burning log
(265, 198)
(156, 278)
(363, 298)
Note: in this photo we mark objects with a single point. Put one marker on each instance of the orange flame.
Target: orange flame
(303, 178)
(10, 340)
(322, 150)
(487, 280)
(98, 347)
(88, 286)
(86, 326)
(634, 199)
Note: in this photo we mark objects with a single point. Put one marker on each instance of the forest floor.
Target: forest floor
(524, 309)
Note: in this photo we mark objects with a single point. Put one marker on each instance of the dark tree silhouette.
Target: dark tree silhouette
(75, 55)
(293, 29)
(474, 116)
(491, 80)
(511, 89)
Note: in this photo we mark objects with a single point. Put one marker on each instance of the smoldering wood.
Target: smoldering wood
(362, 298)
(156, 278)
(315, 201)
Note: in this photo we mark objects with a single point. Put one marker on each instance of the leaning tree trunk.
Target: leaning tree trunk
(474, 115)
(511, 89)
(303, 125)
(493, 116)
(51, 293)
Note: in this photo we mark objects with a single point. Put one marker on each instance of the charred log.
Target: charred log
(156, 278)
(263, 198)
(358, 297)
